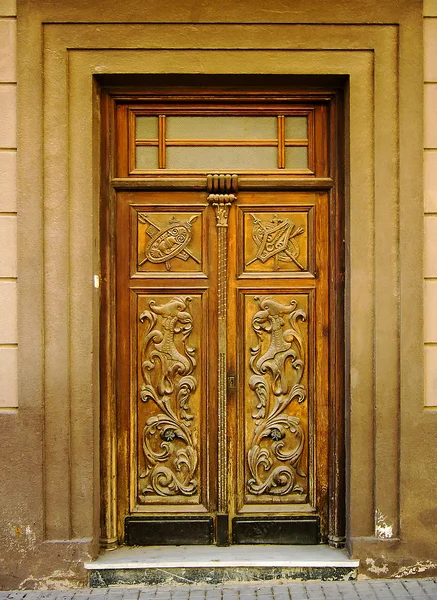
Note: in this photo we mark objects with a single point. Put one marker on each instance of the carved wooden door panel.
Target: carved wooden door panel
(223, 313)
(222, 412)
(278, 342)
(167, 288)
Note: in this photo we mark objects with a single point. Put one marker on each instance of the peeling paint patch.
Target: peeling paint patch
(419, 567)
(58, 580)
(373, 568)
(355, 377)
(22, 538)
(382, 529)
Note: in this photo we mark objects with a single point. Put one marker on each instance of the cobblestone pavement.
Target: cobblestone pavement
(419, 589)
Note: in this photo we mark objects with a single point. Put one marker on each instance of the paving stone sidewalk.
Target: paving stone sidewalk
(419, 589)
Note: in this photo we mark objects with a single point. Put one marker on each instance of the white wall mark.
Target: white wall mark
(382, 529)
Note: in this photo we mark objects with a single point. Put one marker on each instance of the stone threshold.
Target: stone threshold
(211, 564)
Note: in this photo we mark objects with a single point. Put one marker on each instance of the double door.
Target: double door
(223, 365)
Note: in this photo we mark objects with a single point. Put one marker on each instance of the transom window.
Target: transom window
(254, 135)
(226, 143)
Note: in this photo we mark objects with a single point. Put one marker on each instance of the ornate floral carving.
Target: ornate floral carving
(276, 239)
(275, 453)
(169, 243)
(168, 364)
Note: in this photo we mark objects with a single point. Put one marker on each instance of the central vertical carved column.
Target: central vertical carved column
(221, 198)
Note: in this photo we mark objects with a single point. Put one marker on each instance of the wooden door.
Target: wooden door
(167, 303)
(227, 333)
(278, 341)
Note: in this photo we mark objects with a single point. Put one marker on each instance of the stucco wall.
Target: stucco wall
(50, 443)
(8, 208)
(430, 195)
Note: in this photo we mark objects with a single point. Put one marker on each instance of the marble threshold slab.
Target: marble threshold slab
(134, 557)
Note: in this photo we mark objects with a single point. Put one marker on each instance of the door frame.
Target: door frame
(112, 478)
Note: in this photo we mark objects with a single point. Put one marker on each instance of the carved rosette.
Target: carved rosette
(277, 367)
(168, 371)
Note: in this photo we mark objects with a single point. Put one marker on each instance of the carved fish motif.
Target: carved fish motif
(270, 319)
(168, 364)
(278, 442)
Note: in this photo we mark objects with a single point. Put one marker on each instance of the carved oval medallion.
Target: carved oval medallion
(168, 243)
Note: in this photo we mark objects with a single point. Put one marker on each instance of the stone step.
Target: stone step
(211, 565)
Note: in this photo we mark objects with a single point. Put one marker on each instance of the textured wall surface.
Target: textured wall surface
(430, 194)
(8, 208)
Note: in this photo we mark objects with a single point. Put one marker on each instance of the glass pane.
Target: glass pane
(296, 157)
(146, 128)
(146, 157)
(221, 128)
(296, 128)
(223, 158)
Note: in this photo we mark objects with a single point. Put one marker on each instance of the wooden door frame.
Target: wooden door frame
(111, 478)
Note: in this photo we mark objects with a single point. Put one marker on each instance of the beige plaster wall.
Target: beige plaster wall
(49, 453)
(430, 196)
(8, 208)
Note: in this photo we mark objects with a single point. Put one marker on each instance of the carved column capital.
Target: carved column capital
(221, 204)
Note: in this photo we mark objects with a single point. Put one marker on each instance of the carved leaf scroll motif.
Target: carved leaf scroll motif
(168, 371)
(277, 366)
